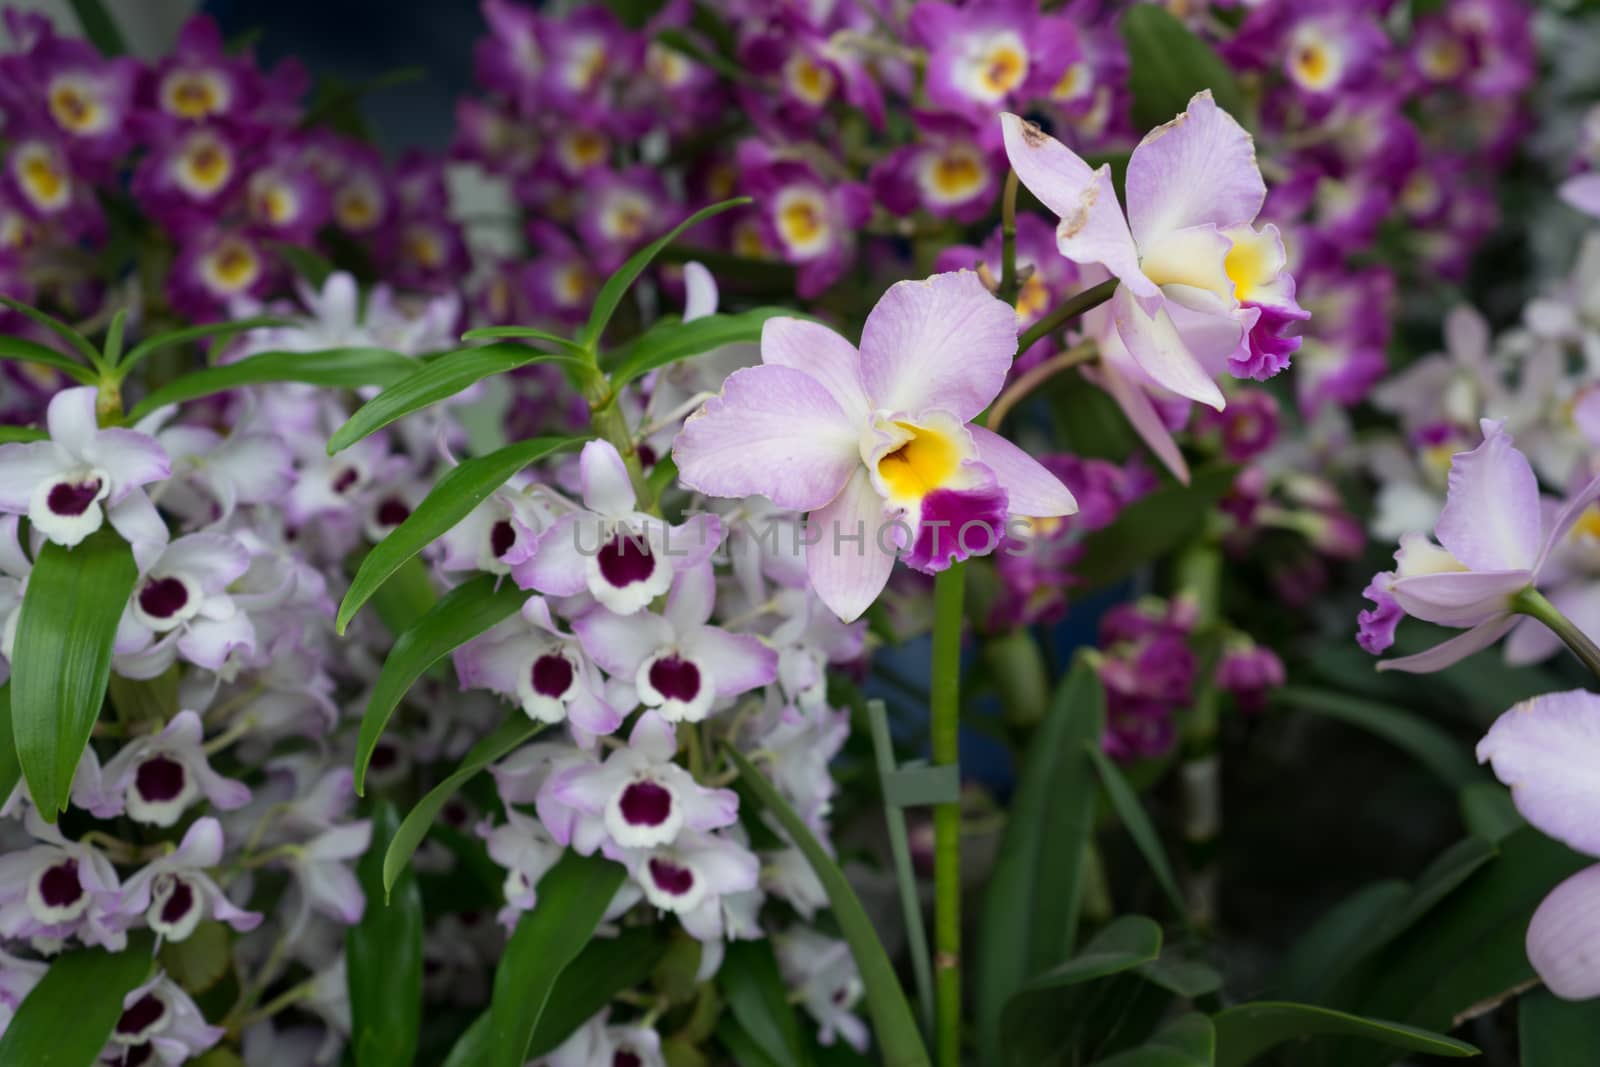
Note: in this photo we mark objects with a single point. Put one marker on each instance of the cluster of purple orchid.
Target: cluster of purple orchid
(652, 632)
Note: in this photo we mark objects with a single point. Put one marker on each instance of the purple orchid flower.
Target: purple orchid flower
(947, 173)
(1202, 290)
(545, 670)
(1546, 750)
(692, 876)
(181, 606)
(40, 179)
(59, 889)
(160, 1020)
(1495, 539)
(810, 222)
(984, 56)
(876, 441)
(176, 893)
(156, 778)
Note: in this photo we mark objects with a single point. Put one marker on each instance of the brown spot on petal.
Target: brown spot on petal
(1072, 225)
(1032, 135)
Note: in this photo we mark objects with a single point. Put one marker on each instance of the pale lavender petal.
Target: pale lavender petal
(942, 343)
(333, 890)
(1491, 519)
(214, 560)
(1583, 193)
(201, 846)
(1453, 651)
(1031, 490)
(1145, 419)
(1459, 598)
(1092, 228)
(1564, 937)
(815, 350)
(699, 292)
(556, 566)
(71, 419)
(131, 459)
(654, 737)
(694, 594)
(207, 642)
(604, 480)
(738, 662)
(619, 643)
(1566, 518)
(1156, 346)
(844, 560)
(774, 432)
(1546, 750)
(24, 467)
(1197, 170)
(1466, 335)
(692, 541)
(140, 524)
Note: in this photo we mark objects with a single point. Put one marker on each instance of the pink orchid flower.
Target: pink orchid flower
(875, 441)
(1494, 539)
(1202, 290)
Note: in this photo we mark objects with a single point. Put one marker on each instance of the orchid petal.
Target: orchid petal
(1453, 651)
(700, 292)
(738, 662)
(1459, 598)
(847, 566)
(1197, 170)
(1031, 490)
(604, 480)
(1564, 937)
(1546, 749)
(619, 643)
(1491, 517)
(1583, 193)
(815, 350)
(1156, 346)
(1566, 518)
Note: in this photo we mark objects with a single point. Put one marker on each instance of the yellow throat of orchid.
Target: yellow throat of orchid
(926, 461)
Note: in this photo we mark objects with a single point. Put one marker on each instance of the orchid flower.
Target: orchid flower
(156, 778)
(1202, 289)
(1546, 749)
(545, 669)
(875, 441)
(159, 1018)
(1494, 542)
(175, 892)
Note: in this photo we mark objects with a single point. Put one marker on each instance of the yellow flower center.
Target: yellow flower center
(423, 248)
(274, 204)
(921, 465)
(233, 266)
(584, 149)
(802, 223)
(1033, 299)
(1588, 525)
(192, 94)
(1313, 64)
(74, 109)
(572, 285)
(810, 81)
(1443, 58)
(1004, 68)
(206, 166)
(355, 208)
(626, 220)
(46, 183)
(957, 174)
(1247, 267)
(1074, 82)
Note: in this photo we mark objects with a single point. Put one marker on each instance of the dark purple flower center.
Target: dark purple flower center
(626, 559)
(162, 598)
(645, 804)
(159, 779)
(624, 1058)
(501, 537)
(675, 679)
(145, 1013)
(670, 877)
(59, 886)
(552, 675)
(392, 511)
(647, 456)
(345, 478)
(138, 1055)
(73, 498)
(179, 903)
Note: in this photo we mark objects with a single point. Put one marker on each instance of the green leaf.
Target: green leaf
(210, 331)
(384, 953)
(499, 333)
(472, 1047)
(56, 326)
(758, 997)
(1152, 526)
(1168, 64)
(670, 341)
(202, 959)
(573, 898)
(26, 351)
(1556, 1032)
(462, 488)
(10, 769)
(1322, 955)
(1030, 910)
(112, 352)
(460, 615)
(1250, 1030)
(746, 1051)
(339, 368)
(603, 969)
(507, 736)
(406, 597)
(62, 659)
(10, 434)
(1428, 744)
(616, 286)
(1488, 812)
(308, 263)
(1188, 1041)
(67, 1018)
(899, 1043)
(1453, 867)
(1138, 824)
(438, 379)
(99, 27)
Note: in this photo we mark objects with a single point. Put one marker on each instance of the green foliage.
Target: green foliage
(384, 956)
(1555, 1032)
(670, 341)
(62, 659)
(1168, 64)
(67, 1018)
(1152, 527)
(759, 1001)
(1131, 811)
(338, 368)
(1248, 1031)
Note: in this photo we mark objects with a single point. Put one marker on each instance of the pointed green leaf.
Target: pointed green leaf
(10, 434)
(1168, 64)
(384, 955)
(573, 898)
(1030, 909)
(1246, 1032)
(66, 1020)
(670, 341)
(1138, 824)
(10, 769)
(460, 615)
(616, 286)
(339, 368)
(502, 333)
(56, 326)
(25, 351)
(438, 379)
(1556, 1032)
(62, 659)
(99, 27)
(462, 488)
(899, 1042)
(1488, 812)
(603, 969)
(507, 736)
(210, 331)
(114, 333)
(1320, 956)
(1188, 1041)
(472, 1047)
(1428, 744)
(758, 997)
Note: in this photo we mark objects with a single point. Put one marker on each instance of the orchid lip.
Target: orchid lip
(145, 1017)
(56, 893)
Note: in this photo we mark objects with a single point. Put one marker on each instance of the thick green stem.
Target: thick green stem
(1533, 603)
(945, 712)
(1066, 311)
(1008, 241)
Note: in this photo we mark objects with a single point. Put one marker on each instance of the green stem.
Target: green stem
(945, 715)
(1008, 241)
(1533, 603)
(1066, 311)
